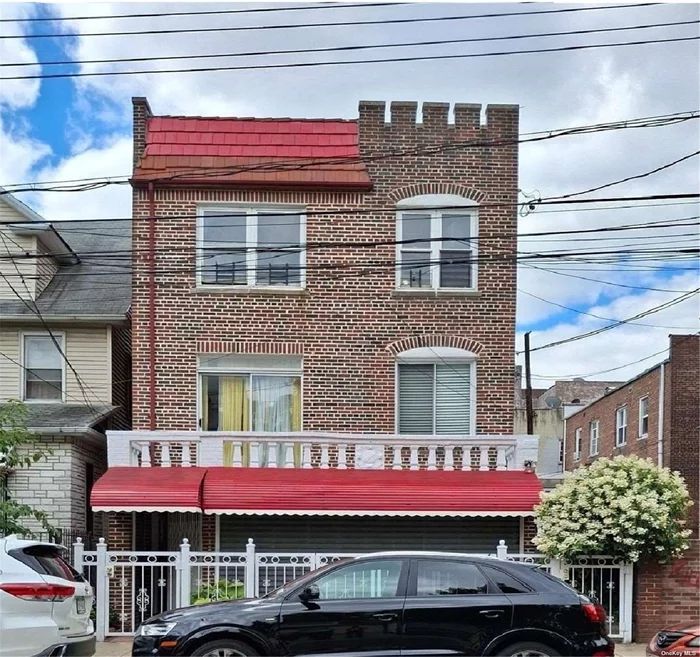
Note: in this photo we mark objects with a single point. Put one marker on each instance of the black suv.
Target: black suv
(393, 604)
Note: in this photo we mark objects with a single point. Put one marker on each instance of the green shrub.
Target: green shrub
(222, 589)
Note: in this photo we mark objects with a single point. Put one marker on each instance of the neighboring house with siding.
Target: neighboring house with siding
(322, 397)
(655, 415)
(65, 350)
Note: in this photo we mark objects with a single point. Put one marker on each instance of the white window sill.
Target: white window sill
(437, 292)
(618, 445)
(577, 458)
(246, 289)
(644, 436)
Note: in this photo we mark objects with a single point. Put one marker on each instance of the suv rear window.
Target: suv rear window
(46, 560)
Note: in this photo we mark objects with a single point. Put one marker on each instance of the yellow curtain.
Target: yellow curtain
(296, 417)
(233, 412)
(205, 403)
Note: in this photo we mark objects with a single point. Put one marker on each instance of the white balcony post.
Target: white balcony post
(502, 550)
(183, 565)
(500, 458)
(271, 455)
(342, 457)
(251, 571)
(483, 457)
(306, 455)
(324, 456)
(397, 458)
(102, 592)
(432, 457)
(288, 455)
(414, 458)
(254, 455)
(165, 454)
(449, 457)
(145, 455)
(78, 549)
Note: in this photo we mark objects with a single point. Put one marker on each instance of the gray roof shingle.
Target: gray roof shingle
(66, 416)
(96, 285)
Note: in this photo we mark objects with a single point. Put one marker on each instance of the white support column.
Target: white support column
(397, 457)
(502, 550)
(185, 573)
(483, 457)
(165, 454)
(145, 455)
(102, 592)
(325, 461)
(414, 458)
(251, 571)
(306, 455)
(288, 455)
(449, 457)
(432, 457)
(271, 455)
(342, 457)
(626, 601)
(78, 549)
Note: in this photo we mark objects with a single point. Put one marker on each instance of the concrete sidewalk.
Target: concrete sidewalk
(122, 648)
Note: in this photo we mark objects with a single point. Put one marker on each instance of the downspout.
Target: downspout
(151, 307)
(662, 392)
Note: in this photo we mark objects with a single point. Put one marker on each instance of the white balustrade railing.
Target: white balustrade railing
(313, 450)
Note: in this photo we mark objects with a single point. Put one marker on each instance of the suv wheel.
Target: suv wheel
(528, 649)
(224, 648)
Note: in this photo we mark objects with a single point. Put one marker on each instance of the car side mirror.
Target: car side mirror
(310, 592)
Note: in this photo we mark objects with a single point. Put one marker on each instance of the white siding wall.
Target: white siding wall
(86, 349)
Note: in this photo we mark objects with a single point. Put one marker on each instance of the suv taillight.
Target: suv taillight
(39, 592)
(595, 613)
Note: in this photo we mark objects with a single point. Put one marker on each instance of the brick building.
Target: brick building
(656, 415)
(323, 295)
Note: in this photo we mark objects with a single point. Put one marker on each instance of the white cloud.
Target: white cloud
(16, 94)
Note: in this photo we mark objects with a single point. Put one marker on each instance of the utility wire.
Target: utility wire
(302, 163)
(353, 48)
(354, 62)
(606, 319)
(655, 309)
(389, 21)
(321, 5)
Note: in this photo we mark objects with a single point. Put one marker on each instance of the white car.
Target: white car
(45, 604)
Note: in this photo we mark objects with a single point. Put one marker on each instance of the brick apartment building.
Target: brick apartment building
(656, 415)
(272, 326)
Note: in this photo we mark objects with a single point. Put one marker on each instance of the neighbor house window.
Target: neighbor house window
(251, 247)
(435, 397)
(250, 394)
(594, 429)
(578, 439)
(43, 368)
(644, 417)
(437, 247)
(621, 426)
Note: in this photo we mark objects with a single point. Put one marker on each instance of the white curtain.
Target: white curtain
(272, 408)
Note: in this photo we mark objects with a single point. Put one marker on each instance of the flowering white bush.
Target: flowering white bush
(625, 507)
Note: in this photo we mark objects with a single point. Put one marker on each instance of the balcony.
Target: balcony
(319, 450)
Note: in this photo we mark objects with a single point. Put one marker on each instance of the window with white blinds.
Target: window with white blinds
(435, 398)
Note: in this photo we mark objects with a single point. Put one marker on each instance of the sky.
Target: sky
(74, 128)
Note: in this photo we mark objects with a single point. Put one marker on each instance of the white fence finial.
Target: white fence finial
(251, 570)
(502, 550)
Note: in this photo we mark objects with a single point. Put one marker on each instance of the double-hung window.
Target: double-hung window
(643, 417)
(578, 440)
(251, 247)
(437, 247)
(594, 429)
(436, 397)
(44, 368)
(241, 393)
(621, 426)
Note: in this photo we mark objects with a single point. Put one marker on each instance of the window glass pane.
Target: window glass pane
(416, 407)
(455, 269)
(279, 230)
(40, 352)
(277, 267)
(223, 266)
(415, 227)
(453, 399)
(276, 403)
(457, 226)
(224, 228)
(376, 579)
(449, 578)
(225, 403)
(415, 269)
(505, 582)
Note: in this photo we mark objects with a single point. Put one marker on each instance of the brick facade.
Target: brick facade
(664, 594)
(344, 322)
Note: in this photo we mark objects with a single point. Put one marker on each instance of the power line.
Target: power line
(330, 5)
(354, 62)
(655, 309)
(606, 319)
(274, 247)
(390, 21)
(353, 48)
(297, 164)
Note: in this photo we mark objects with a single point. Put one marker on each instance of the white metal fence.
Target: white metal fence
(133, 586)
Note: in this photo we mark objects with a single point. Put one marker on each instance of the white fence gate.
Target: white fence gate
(133, 586)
